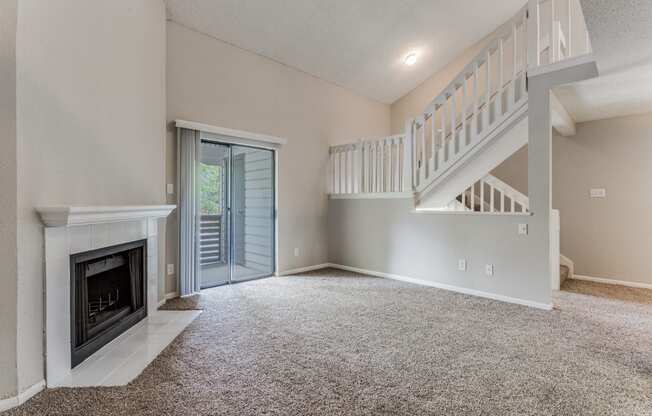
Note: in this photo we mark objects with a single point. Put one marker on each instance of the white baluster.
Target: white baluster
(347, 171)
(534, 34)
(382, 166)
(554, 35)
(444, 148)
(491, 198)
(481, 195)
(511, 91)
(433, 144)
(464, 93)
(453, 107)
(476, 98)
(422, 141)
(409, 174)
(342, 170)
(472, 196)
(487, 103)
(569, 36)
(502, 201)
(501, 69)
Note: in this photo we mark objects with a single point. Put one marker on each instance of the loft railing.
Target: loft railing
(486, 97)
(558, 31)
(370, 167)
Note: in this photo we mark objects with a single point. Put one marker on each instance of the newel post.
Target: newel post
(408, 151)
(359, 166)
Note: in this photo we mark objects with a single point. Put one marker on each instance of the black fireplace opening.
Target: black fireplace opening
(108, 295)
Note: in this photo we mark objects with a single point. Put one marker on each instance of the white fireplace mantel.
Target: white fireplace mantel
(71, 230)
(64, 216)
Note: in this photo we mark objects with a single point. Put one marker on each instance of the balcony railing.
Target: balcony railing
(211, 240)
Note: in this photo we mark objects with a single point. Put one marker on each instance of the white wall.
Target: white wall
(8, 173)
(212, 82)
(91, 127)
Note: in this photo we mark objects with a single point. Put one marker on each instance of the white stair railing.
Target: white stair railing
(485, 97)
(490, 89)
(492, 196)
(369, 166)
(558, 31)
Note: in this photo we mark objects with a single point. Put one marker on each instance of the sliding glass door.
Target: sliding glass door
(236, 219)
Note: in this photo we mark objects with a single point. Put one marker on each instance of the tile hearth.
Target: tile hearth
(124, 358)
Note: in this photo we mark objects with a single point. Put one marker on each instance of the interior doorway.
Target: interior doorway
(236, 235)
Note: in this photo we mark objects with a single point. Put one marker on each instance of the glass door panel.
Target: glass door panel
(213, 246)
(252, 193)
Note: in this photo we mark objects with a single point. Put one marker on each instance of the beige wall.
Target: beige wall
(91, 127)
(212, 82)
(8, 173)
(608, 238)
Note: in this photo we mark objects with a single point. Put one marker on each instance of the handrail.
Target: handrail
(487, 95)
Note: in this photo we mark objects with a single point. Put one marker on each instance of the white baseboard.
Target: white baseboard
(303, 269)
(22, 397)
(607, 281)
(168, 296)
(473, 292)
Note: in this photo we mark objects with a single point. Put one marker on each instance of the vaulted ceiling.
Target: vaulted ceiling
(357, 44)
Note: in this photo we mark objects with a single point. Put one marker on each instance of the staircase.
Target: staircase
(443, 162)
(480, 119)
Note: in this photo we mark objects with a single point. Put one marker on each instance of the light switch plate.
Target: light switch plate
(598, 193)
(461, 265)
(296, 252)
(170, 269)
(489, 269)
(522, 229)
(170, 188)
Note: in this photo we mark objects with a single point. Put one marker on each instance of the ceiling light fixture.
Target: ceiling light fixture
(410, 59)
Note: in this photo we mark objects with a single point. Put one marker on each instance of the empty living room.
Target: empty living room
(325, 207)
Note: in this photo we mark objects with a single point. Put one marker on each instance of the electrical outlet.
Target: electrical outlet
(598, 193)
(461, 265)
(170, 269)
(522, 229)
(296, 252)
(489, 269)
(170, 188)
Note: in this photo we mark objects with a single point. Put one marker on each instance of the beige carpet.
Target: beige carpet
(335, 343)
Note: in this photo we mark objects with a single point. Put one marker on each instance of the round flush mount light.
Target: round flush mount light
(410, 59)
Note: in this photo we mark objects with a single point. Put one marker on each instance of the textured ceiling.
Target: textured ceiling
(621, 35)
(357, 44)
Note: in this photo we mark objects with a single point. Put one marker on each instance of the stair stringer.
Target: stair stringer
(488, 154)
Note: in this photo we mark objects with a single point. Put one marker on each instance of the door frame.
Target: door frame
(243, 142)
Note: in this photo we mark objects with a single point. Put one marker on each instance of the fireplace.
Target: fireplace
(108, 295)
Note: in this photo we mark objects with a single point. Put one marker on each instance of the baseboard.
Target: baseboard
(303, 269)
(487, 295)
(612, 281)
(168, 296)
(6, 404)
